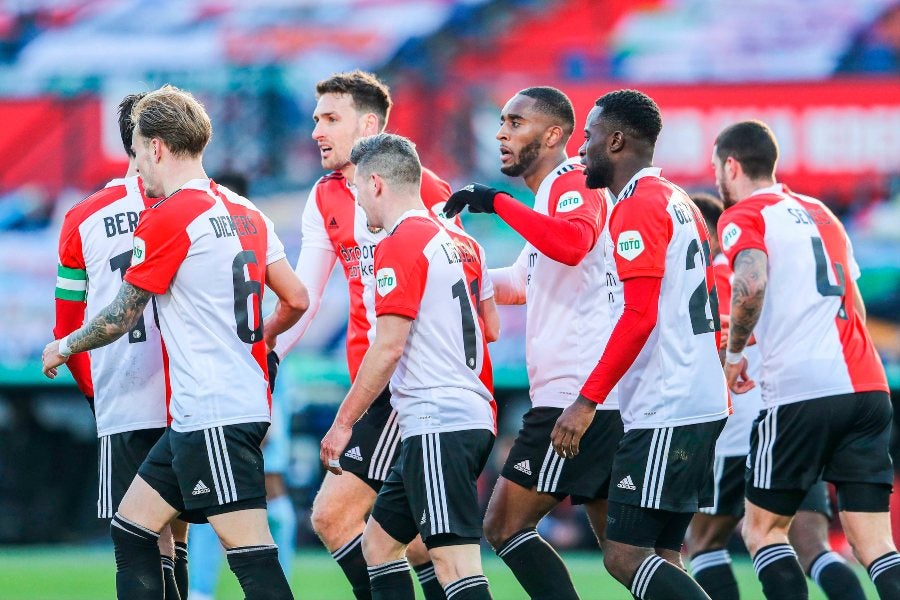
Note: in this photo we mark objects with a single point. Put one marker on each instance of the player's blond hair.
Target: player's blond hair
(175, 117)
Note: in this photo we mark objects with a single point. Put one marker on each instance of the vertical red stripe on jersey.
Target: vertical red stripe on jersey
(165, 360)
(258, 244)
(863, 363)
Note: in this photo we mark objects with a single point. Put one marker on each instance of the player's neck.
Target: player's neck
(746, 187)
(542, 167)
(180, 172)
(629, 168)
(397, 208)
(349, 172)
(132, 168)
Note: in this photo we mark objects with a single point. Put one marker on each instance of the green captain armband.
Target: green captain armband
(71, 284)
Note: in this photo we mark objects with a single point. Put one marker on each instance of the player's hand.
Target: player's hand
(333, 445)
(272, 361)
(736, 375)
(479, 198)
(571, 425)
(51, 359)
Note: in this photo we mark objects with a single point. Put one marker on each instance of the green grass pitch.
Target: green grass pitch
(82, 573)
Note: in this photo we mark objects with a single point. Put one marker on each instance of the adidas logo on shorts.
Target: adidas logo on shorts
(524, 467)
(354, 453)
(627, 484)
(422, 522)
(200, 488)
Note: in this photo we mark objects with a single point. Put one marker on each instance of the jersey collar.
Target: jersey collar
(778, 188)
(415, 212)
(629, 188)
(552, 175)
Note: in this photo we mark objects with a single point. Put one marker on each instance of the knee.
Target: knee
(498, 529)
(325, 521)
(754, 536)
(622, 560)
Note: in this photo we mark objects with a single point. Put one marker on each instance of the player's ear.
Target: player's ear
(616, 141)
(732, 168)
(371, 124)
(377, 184)
(553, 136)
(156, 145)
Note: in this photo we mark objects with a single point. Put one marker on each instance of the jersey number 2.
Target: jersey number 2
(701, 301)
(244, 288)
(120, 263)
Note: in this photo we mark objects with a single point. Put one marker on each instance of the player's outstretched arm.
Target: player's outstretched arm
(488, 311)
(314, 266)
(109, 325)
(293, 300)
(391, 333)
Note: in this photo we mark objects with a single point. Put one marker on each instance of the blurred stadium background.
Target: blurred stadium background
(824, 73)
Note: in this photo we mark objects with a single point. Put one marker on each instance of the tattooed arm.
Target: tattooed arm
(109, 325)
(748, 292)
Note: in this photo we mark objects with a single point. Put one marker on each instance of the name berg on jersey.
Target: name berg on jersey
(354, 256)
(230, 226)
(119, 223)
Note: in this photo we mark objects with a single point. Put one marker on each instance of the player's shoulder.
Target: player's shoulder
(331, 181)
(412, 234)
(114, 191)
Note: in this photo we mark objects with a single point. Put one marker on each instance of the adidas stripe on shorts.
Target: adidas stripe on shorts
(209, 471)
(532, 463)
(374, 444)
(119, 455)
(670, 468)
(432, 491)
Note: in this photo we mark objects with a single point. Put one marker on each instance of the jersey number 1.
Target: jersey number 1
(468, 323)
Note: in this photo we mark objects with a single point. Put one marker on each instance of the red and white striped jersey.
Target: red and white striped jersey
(677, 378)
(735, 437)
(567, 321)
(333, 221)
(203, 251)
(437, 276)
(94, 252)
(812, 340)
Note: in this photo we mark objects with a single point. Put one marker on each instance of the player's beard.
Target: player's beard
(599, 174)
(526, 157)
(728, 199)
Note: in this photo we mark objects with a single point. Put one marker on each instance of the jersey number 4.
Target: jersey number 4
(703, 307)
(823, 285)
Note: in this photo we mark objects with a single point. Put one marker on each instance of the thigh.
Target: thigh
(220, 469)
(710, 532)
(158, 472)
(440, 480)
(345, 494)
(121, 455)
(142, 504)
(241, 528)
(374, 444)
(643, 527)
(392, 509)
(513, 508)
(817, 500)
(727, 487)
(668, 469)
(861, 454)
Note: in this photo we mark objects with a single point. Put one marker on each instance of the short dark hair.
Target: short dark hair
(710, 207)
(175, 117)
(126, 125)
(554, 103)
(633, 112)
(392, 156)
(752, 144)
(369, 93)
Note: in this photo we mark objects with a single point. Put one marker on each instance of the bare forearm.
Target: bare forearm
(283, 318)
(112, 322)
(374, 375)
(748, 293)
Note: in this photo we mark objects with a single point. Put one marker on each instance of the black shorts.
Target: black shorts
(841, 439)
(431, 490)
(728, 490)
(374, 444)
(668, 469)
(532, 462)
(119, 455)
(209, 471)
(646, 527)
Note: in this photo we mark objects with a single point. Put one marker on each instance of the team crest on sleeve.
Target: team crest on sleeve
(569, 202)
(630, 244)
(385, 281)
(139, 252)
(730, 236)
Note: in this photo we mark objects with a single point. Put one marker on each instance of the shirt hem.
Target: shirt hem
(679, 422)
(446, 429)
(818, 394)
(132, 427)
(222, 423)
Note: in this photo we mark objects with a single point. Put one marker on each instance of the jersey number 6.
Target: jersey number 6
(244, 288)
